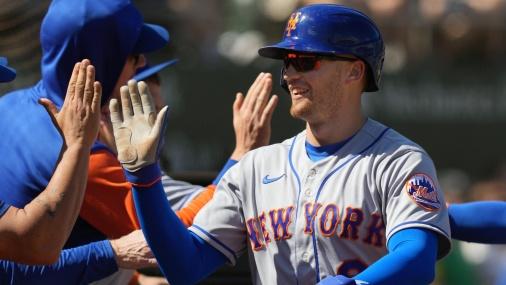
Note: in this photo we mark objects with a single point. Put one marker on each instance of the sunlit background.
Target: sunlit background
(444, 86)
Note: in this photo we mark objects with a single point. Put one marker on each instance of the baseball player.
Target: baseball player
(346, 201)
(36, 234)
(52, 214)
(113, 35)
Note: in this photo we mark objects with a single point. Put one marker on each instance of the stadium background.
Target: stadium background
(444, 86)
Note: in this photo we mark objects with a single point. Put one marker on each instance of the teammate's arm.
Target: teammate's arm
(36, 234)
(79, 265)
(83, 264)
(252, 117)
(489, 226)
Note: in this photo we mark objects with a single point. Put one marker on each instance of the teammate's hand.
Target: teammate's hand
(132, 251)
(79, 116)
(252, 116)
(340, 280)
(137, 128)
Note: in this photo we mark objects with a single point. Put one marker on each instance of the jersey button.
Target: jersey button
(312, 173)
(305, 257)
(308, 192)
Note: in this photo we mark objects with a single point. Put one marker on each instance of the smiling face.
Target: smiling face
(318, 95)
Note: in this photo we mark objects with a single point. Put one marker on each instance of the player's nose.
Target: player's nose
(290, 74)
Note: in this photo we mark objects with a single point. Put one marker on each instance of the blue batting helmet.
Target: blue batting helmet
(329, 29)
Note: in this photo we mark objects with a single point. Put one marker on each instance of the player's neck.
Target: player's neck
(334, 131)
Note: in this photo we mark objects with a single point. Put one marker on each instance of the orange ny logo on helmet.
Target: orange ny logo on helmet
(292, 23)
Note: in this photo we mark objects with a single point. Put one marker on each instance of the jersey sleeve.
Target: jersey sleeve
(3, 208)
(179, 193)
(188, 213)
(412, 198)
(220, 223)
(80, 265)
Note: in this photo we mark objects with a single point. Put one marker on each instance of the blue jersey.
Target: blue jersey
(3, 208)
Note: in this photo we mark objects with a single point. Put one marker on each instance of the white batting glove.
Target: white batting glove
(137, 128)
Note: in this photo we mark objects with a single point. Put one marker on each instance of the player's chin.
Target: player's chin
(300, 110)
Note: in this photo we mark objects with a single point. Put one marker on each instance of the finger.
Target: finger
(114, 109)
(269, 110)
(252, 92)
(49, 106)
(126, 104)
(239, 100)
(134, 96)
(72, 83)
(264, 92)
(81, 81)
(147, 100)
(97, 97)
(89, 85)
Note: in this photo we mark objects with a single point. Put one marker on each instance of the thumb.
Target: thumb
(159, 128)
(53, 112)
(50, 107)
(160, 123)
(239, 99)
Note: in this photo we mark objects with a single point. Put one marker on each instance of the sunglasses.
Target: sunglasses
(308, 62)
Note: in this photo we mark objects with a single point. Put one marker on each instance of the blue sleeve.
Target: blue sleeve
(80, 265)
(183, 257)
(224, 170)
(411, 260)
(482, 222)
(3, 208)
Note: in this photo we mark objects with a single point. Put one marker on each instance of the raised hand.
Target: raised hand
(252, 116)
(137, 128)
(80, 114)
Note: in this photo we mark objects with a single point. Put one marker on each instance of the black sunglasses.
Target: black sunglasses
(308, 62)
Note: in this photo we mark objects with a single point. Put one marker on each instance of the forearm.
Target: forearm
(481, 222)
(43, 226)
(183, 258)
(411, 260)
(79, 265)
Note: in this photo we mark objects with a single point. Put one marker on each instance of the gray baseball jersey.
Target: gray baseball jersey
(301, 219)
(179, 193)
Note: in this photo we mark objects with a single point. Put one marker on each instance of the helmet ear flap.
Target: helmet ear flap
(282, 81)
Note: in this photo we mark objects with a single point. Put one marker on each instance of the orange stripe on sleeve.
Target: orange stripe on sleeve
(188, 213)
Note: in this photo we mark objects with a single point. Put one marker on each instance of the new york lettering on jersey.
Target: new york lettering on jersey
(350, 202)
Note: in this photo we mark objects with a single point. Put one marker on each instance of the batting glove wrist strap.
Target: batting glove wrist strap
(144, 177)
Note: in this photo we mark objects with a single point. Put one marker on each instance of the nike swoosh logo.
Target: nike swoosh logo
(268, 180)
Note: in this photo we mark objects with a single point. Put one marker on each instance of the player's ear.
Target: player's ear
(356, 71)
